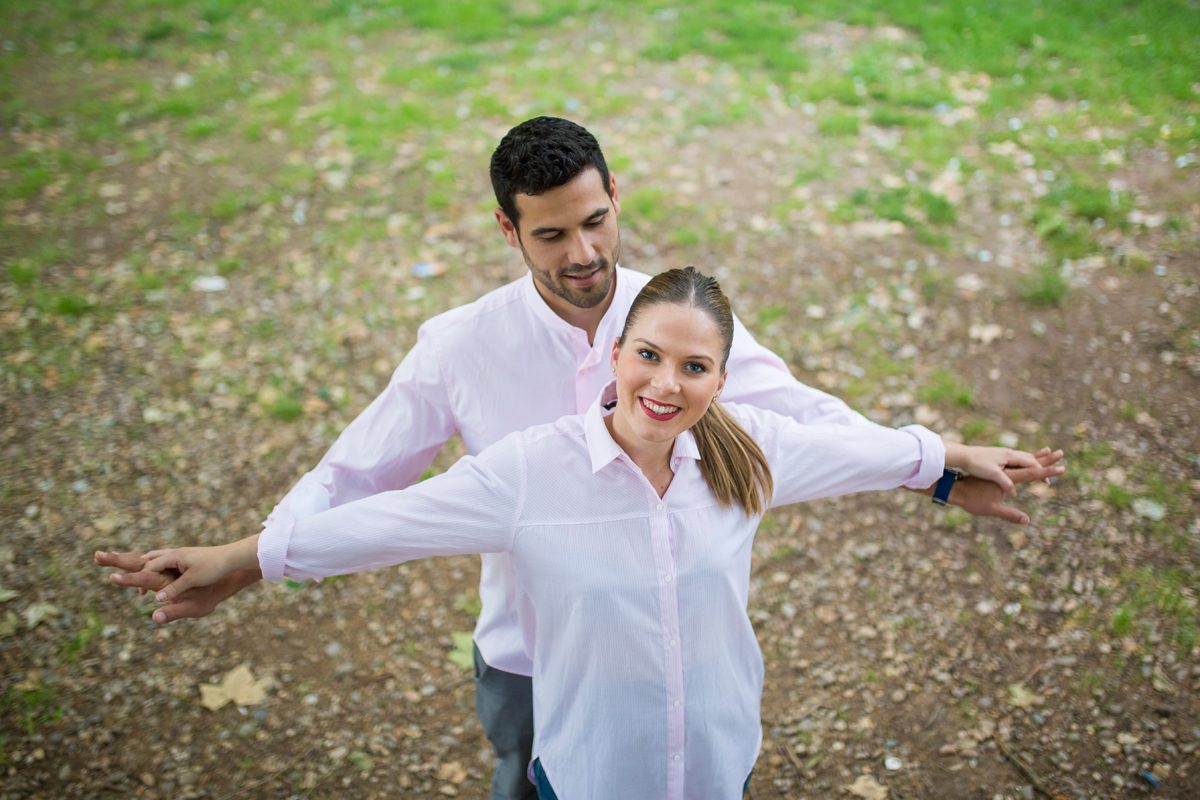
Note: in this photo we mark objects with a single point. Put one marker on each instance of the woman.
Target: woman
(630, 528)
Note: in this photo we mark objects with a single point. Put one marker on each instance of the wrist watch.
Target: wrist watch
(941, 492)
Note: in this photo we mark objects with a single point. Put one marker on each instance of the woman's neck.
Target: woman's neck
(652, 458)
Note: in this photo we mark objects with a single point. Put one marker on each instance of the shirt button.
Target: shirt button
(667, 579)
(658, 507)
(672, 643)
(677, 756)
(676, 704)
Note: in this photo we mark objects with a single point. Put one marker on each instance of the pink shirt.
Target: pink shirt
(646, 672)
(501, 364)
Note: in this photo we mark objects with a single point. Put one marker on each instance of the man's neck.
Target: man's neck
(586, 319)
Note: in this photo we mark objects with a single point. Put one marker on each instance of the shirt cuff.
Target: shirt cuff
(933, 457)
(273, 544)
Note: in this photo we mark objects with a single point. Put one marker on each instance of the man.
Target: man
(524, 354)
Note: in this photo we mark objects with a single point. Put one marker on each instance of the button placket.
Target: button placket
(660, 536)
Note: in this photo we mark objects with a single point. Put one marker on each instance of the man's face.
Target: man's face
(570, 240)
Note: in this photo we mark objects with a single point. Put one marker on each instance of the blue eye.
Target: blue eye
(693, 367)
(647, 355)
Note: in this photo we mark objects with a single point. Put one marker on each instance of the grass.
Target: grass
(79, 643)
(32, 705)
(944, 389)
(1045, 288)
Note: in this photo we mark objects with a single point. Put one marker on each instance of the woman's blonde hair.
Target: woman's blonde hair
(733, 465)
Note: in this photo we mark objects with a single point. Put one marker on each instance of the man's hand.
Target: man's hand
(190, 604)
(985, 498)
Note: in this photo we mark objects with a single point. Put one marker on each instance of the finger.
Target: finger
(1001, 479)
(175, 588)
(184, 607)
(1020, 458)
(1008, 514)
(130, 562)
(164, 560)
(1046, 458)
(1031, 474)
(144, 580)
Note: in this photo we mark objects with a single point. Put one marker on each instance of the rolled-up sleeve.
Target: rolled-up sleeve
(472, 508)
(812, 461)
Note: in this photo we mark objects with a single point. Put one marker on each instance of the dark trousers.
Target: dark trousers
(504, 702)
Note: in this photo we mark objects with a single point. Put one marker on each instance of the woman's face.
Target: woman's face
(668, 371)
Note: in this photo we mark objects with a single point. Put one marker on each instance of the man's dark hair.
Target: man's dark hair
(541, 154)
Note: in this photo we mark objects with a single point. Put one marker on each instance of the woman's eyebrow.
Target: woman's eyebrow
(696, 357)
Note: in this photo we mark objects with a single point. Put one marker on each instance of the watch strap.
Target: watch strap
(941, 492)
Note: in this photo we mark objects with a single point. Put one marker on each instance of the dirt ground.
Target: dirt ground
(910, 653)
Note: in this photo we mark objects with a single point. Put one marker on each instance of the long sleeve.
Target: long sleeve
(471, 508)
(812, 461)
(386, 447)
(760, 378)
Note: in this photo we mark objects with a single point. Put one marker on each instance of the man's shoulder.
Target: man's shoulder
(497, 306)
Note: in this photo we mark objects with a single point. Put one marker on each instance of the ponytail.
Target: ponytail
(732, 463)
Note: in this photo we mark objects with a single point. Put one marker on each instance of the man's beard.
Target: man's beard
(580, 298)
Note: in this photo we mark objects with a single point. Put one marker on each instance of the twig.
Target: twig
(1027, 771)
(791, 759)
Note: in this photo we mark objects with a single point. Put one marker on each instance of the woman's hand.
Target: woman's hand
(200, 566)
(989, 463)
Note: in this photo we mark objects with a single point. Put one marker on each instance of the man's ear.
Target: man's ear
(612, 192)
(508, 229)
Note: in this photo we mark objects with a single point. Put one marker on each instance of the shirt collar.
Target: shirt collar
(603, 449)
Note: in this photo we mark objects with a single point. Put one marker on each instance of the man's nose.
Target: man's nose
(582, 251)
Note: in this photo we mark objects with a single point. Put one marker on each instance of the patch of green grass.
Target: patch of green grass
(1117, 497)
(202, 127)
(80, 642)
(839, 123)
(469, 603)
(22, 272)
(976, 430)
(1045, 288)
(769, 314)
(649, 205)
(938, 210)
(32, 706)
(887, 117)
(286, 409)
(944, 389)
(1158, 598)
(65, 304)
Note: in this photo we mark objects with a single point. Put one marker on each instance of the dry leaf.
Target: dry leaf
(868, 788)
(1021, 697)
(237, 686)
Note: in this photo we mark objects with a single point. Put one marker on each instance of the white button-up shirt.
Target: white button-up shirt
(646, 672)
(501, 364)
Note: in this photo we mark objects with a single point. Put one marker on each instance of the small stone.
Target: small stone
(210, 283)
(891, 763)
(1149, 509)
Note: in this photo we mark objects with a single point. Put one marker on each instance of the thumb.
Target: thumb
(175, 587)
